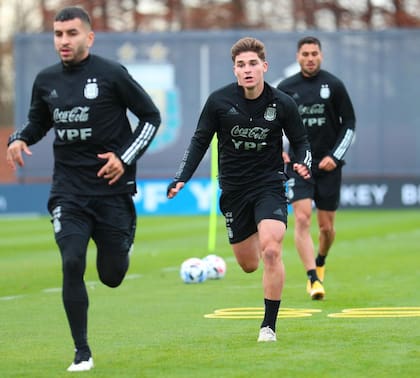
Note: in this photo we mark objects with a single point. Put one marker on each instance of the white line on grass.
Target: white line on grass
(90, 284)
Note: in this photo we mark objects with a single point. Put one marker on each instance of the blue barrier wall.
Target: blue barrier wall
(150, 199)
(196, 197)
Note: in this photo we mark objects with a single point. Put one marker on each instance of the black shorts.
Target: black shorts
(243, 210)
(109, 220)
(323, 188)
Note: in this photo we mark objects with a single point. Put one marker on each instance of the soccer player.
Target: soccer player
(328, 115)
(84, 99)
(249, 117)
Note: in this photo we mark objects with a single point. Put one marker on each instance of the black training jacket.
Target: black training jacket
(86, 105)
(327, 113)
(249, 135)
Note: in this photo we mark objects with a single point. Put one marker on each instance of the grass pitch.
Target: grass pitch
(154, 325)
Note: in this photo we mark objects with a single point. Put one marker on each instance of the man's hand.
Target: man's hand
(173, 188)
(14, 153)
(113, 168)
(302, 170)
(327, 164)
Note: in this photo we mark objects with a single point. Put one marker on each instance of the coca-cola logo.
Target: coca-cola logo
(313, 109)
(256, 133)
(77, 114)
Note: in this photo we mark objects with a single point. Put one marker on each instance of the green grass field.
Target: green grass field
(154, 325)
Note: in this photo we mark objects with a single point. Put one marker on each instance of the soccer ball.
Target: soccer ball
(216, 267)
(193, 270)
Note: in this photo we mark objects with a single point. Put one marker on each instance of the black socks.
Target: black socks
(312, 276)
(320, 260)
(270, 314)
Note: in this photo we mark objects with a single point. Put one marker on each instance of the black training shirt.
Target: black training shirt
(327, 113)
(249, 134)
(86, 105)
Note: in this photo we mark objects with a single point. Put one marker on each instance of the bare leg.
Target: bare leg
(303, 240)
(271, 234)
(267, 246)
(326, 230)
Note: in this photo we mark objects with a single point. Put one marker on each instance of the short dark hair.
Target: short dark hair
(308, 40)
(248, 44)
(70, 13)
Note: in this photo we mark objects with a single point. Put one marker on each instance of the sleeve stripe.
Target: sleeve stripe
(344, 145)
(139, 143)
(308, 159)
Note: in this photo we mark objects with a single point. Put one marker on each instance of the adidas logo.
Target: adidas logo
(232, 111)
(53, 94)
(278, 212)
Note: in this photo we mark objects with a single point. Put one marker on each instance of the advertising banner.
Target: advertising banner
(196, 197)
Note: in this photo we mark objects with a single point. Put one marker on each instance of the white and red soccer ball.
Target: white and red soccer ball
(216, 267)
(196, 270)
